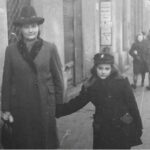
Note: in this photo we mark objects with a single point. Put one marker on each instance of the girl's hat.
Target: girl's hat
(103, 58)
(28, 16)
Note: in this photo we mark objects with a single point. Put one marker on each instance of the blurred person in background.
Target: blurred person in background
(139, 64)
(146, 55)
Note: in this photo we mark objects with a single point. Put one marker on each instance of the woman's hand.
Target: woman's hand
(1, 122)
(6, 116)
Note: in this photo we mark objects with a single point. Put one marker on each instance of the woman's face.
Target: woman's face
(103, 70)
(30, 31)
(140, 37)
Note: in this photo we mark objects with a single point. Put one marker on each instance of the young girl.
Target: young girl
(139, 65)
(117, 123)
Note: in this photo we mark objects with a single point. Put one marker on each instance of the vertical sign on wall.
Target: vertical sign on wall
(106, 23)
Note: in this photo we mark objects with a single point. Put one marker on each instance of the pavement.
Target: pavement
(75, 130)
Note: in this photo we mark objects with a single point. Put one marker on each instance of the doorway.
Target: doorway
(73, 40)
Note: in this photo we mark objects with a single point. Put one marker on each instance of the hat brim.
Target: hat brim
(20, 22)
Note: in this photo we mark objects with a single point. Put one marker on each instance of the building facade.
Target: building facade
(81, 28)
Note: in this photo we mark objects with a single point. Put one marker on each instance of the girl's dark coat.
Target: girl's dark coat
(139, 64)
(112, 98)
(32, 86)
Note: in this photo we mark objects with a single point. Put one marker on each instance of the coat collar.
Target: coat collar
(30, 56)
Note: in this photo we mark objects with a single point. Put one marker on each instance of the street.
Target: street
(75, 131)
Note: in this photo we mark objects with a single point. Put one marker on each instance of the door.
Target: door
(73, 40)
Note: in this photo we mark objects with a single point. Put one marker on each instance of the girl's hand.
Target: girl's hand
(135, 52)
(6, 116)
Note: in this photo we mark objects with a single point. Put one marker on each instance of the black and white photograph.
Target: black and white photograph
(75, 74)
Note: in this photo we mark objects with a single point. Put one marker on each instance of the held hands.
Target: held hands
(6, 116)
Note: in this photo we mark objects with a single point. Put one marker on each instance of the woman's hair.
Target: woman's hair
(94, 70)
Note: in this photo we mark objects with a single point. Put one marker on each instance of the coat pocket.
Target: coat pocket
(51, 95)
(51, 101)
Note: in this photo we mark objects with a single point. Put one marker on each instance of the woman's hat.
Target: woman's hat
(103, 58)
(28, 16)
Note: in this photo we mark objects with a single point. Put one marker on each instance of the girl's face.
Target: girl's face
(30, 31)
(103, 70)
(140, 37)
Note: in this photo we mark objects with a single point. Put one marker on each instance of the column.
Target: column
(3, 34)
(90, 26)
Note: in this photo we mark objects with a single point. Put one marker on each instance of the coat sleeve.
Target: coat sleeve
(56, 70)
(74, 104)
(6, 82)
(132, 105)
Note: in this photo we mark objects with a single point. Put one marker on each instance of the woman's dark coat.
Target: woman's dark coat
(32, 86)
(112, 99)
(139, 64)
(146, 53)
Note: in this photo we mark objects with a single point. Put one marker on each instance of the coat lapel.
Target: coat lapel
(30, 56)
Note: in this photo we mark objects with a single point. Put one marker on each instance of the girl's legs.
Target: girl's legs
(135, 78)
(148, 87)
(143, 78)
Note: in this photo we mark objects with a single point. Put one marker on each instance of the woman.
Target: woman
(146, 45)
(32, 86)
(117, 123)
(139, 64)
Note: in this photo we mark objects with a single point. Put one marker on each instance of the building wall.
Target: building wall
(124, 25)
(146, 15)
(52, 30)
(127, 22)
(90, 31)
(3, 41)
(117, 42)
